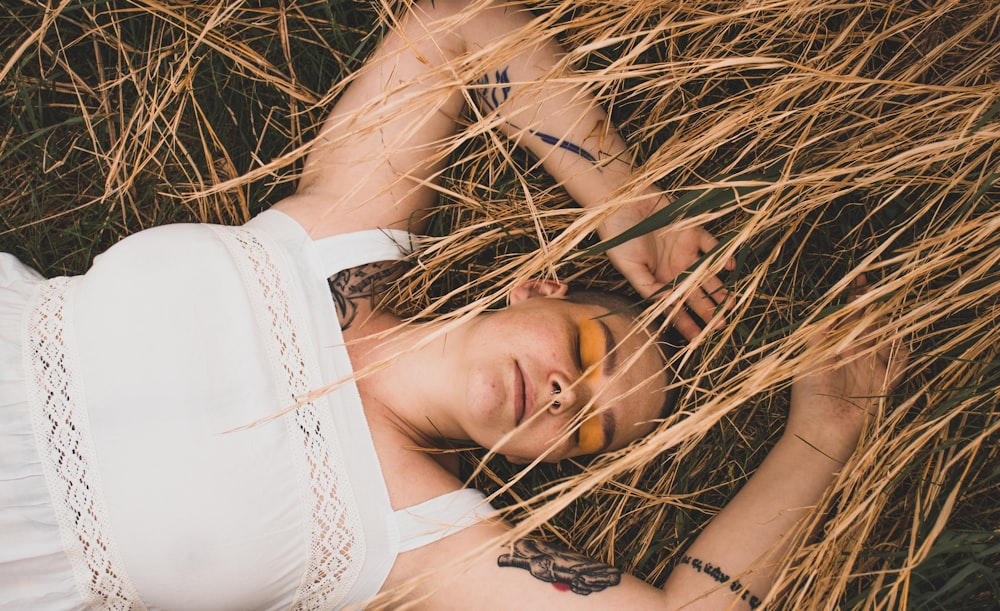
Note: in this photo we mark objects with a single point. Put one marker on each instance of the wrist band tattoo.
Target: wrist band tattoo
(707, 568)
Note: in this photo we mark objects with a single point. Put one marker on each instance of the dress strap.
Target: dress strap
(444, 515)
(347, 250)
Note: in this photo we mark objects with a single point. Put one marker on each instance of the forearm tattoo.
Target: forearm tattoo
(494, 90)
(351, 286)
(564, 569)
(707, 568)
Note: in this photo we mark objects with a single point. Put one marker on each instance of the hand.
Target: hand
(651, 261)
(831, 401)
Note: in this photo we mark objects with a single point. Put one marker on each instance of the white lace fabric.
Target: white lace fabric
(61, 426)
(336, 549)
(141, 376)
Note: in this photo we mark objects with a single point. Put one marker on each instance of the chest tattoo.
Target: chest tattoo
(352, 288)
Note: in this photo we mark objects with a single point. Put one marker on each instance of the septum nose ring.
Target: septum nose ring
(554, 392)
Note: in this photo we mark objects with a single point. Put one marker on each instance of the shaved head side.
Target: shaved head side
(612, 302)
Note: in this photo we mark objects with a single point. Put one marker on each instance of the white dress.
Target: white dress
(130, 476)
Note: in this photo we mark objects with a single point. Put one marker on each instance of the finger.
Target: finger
(685, 325)
(709, 315)
(899, 354)
(715, 289)
(701, 304)
(858, 287)
(841, 320)
(704, 306)
(707, 241)
(642, 280)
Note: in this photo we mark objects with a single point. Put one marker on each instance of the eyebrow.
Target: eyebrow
(610, 358)
(609, 425)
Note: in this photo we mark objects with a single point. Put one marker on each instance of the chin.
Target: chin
(517, 460)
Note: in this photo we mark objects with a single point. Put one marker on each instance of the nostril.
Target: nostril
(556, 389)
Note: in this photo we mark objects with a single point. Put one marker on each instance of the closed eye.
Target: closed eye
(593, 345)
(576, 352)
(593, 340)
(594, 434)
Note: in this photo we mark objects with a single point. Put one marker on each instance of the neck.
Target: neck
(407, 378)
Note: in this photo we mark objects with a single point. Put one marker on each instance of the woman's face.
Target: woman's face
(550, 378)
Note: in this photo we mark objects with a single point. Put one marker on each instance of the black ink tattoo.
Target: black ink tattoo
(493, 97)
(707, 568)
(350, 286)
(560, 567)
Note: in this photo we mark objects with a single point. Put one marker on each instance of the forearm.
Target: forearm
(832, 398)
(387, 139)
(378, 157)
(744, 542)
(545, 108)
(553, 115)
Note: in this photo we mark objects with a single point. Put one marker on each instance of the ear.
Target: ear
(538, 288)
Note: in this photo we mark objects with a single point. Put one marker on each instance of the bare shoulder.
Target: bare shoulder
(454, 572)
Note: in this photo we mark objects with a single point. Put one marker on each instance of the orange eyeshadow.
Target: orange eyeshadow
(591, 347)
(591, 435)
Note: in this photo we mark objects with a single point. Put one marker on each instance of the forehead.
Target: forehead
(635, 390)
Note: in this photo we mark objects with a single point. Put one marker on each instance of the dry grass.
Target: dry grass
(820, 138)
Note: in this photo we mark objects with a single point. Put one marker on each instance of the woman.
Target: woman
(187, 430)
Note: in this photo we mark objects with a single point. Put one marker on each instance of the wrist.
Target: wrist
(631, 213)
(834, 436)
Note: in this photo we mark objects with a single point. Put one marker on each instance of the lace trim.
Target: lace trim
(335, 552)
(62, 431)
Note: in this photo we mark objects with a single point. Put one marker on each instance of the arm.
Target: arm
(732, 564)
(748, 538)
(563, 125)
(741, 543)
(379, 153)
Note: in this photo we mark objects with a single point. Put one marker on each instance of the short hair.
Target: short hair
(615, 303)
(620, 305)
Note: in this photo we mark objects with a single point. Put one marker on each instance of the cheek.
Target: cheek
(534, 333)
(483, 394)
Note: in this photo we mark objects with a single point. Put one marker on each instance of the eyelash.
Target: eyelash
(577, 354)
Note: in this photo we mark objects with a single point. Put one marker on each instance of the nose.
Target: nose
(566, 395)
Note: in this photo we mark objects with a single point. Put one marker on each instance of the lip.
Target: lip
(519, 394)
